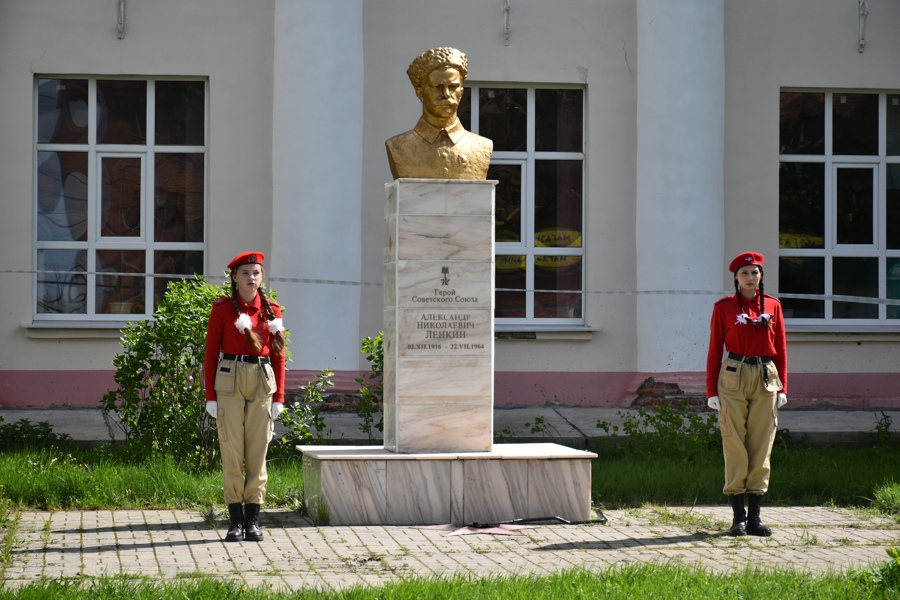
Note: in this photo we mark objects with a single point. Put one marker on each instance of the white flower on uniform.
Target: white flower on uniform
(243, 322)
(275, 325)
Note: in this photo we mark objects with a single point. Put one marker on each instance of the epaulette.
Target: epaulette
(273, 303)
(725, 299)
(221, 299)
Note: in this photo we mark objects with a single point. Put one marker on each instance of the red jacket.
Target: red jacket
(223, 336)
(727, 334)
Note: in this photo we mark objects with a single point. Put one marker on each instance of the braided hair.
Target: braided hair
(762, 297)
(277, 341)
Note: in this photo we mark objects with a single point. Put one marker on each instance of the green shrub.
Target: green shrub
(668, 430)
(303, 418)
(25, 434)
(371, 394)
(160, 401)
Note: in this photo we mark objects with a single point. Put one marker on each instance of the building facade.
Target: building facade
(639, 145)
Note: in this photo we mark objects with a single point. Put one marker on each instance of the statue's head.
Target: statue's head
(438, 76)
(430, 60)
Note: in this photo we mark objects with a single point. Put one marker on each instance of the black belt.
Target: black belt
(750, 360)
(246, 358)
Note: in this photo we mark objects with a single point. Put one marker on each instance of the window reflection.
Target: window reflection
(62, 281)
(802, 275)
(120, 197)
(121, 112)
(855, 277)
(558, 198)
(855, 124)
(175, 262)
(510, 275)
(559, 115)
(178, 210)
(802, 125)
(62, 111)
(503, 116)
(508, 202)
(179, 113)
(62, 195)
(855, 206)
(120, 294)
(801, 206)
(557, 273)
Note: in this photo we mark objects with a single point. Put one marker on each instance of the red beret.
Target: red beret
(746, 258)
(246, 258)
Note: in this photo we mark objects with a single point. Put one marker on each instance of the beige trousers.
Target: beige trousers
(748, 419)
(244, 392)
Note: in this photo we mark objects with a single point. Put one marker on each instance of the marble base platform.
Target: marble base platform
(368, 485)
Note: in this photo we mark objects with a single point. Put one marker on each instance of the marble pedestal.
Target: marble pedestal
(439, 315)
(368, 485)
(438, 464)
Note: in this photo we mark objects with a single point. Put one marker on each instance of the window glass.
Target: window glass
(854, 206)
(855, 124)
(507, 202)
(180, 113)
(893, 286)
(104, 246)
(839, 215)
(558, 202)
(62, 281)
(892, 208)
(178, 207)
(120, 198)
(510, 276)
(62, 194)
(62, 111)
(175, 262)
(121, 112)
(559, 120)
(538, 162)
(855, 277)
(557, 273)
(893, 124)
(503, 115)
(119, 293)
(801, 206)
(802, 275)
(802, 123)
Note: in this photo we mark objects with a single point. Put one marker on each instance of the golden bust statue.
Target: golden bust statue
(439, 147)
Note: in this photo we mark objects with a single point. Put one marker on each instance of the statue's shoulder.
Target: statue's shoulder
(401, 139)
(480, 142)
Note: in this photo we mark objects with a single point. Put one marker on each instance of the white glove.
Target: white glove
(212, 407)
(782, 399)
(713, 403)
(277, 409)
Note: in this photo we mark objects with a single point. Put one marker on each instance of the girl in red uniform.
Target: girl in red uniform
(244, 379)
(747, 387)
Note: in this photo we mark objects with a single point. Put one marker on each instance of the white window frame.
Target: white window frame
(527, 246)
(831, 248)
(95, 242)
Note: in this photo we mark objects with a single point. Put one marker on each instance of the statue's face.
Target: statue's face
(441, 91)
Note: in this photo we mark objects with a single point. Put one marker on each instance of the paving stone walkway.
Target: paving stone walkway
(164, 544)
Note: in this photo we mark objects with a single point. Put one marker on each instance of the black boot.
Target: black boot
(236, 527)
(739, 523)
(754, 525)
(252, 532)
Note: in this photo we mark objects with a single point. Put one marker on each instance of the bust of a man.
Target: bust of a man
(439, 147)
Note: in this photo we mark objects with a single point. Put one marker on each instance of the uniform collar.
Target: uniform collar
(257, 303)
(430, 133)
